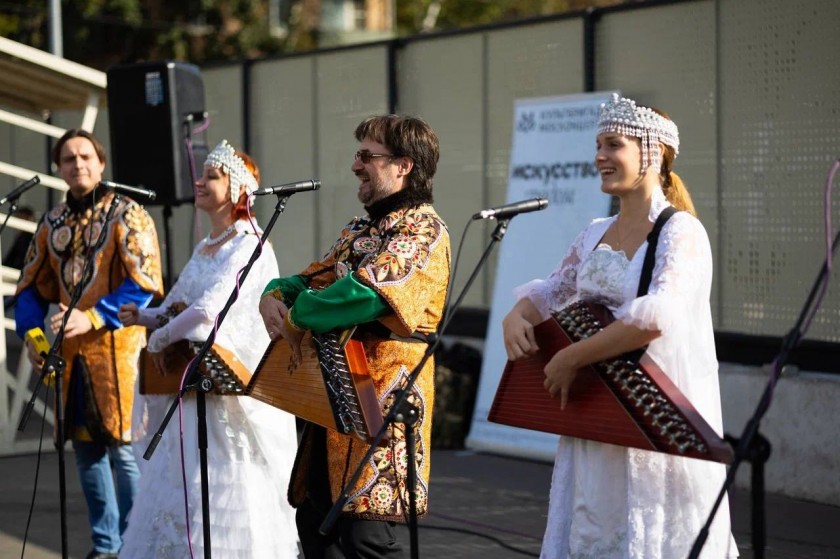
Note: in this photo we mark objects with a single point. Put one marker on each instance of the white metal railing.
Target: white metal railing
(89, 85)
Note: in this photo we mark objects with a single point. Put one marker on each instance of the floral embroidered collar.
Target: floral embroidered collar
(405, 198)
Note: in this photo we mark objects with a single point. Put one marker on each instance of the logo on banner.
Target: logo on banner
(527, 121)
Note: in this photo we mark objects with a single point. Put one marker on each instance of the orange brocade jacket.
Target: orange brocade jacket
(404, 256)
(106, 358)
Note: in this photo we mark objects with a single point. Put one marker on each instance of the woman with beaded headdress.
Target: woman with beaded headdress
(611, 501)
(251, 445)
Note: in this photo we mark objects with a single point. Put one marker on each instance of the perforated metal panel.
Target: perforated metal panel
(532, 61)
(665, 57)
(283, 135)
(350, 86)
(449, 95)
(753, 85)
(780, 94)
(223, 99)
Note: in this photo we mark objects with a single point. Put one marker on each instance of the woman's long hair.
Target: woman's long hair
(240, 208)
(672, 185)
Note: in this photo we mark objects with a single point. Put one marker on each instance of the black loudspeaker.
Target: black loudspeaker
(153, 109)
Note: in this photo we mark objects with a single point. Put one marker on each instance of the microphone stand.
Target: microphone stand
(201, 384)
(752, 445)
(55, 364)
(12, 209)
(405, 413)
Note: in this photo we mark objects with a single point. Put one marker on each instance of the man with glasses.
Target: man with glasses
(387, 274)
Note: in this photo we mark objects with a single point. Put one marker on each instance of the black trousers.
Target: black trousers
(350, 538)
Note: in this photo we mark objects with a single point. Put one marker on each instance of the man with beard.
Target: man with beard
(101, 356)
(387, 274)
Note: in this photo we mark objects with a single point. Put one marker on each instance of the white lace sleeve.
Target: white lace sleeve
(560, 286)
(682, 277)
(198, 317)
(176, 329)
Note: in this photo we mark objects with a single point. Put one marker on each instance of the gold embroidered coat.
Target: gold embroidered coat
(404, 257)
(53, 267)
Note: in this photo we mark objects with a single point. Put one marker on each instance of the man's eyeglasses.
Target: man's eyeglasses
(365, 156)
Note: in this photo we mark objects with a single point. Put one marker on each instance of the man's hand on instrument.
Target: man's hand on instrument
(560, 373)
(78, 322)
(293, 337)
(273, 312)
(518, 335)
(128, 314)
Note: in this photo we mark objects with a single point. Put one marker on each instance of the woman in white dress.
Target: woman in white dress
(609, 501)
(251, 446)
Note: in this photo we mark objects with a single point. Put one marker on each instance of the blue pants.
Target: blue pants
(108, 475)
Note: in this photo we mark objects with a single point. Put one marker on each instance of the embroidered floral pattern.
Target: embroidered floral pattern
(387, 494)
(403, 247)
(341, 270)
(409, 236)
(141, 240)
(72, 271)
(61, 237)
(367, 244)
(409, 250)
(381, 497)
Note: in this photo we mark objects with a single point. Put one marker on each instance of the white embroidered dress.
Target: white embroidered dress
(251, 446)
(613, 502)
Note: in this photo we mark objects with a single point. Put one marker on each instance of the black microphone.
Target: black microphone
(289, 189)
(510, 210)
(15, 194)
(125, 189)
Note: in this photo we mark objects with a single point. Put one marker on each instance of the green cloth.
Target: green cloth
(290, 287)
(343, 304)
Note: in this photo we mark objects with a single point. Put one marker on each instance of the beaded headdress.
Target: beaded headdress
(224, 157)
(621, 115)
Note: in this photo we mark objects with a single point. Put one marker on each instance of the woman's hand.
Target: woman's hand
(560, 373)
(518, 332)
(128, 314)
(559, 376)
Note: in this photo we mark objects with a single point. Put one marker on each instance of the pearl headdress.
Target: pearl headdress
(621, 115)
(224, 157)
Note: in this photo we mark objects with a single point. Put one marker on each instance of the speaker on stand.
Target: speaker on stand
(154, 110)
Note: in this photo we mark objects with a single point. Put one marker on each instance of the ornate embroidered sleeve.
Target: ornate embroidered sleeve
(37, 286)
(560, 286)
(411, 273)
(138, 248)
(682, 278)
(34, 273)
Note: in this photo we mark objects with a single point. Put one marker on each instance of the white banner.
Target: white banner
(552, 156)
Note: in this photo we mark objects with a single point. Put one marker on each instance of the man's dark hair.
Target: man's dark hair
(77, 133)
(406, 136)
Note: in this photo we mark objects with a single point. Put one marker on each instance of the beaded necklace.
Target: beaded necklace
(210, 241)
